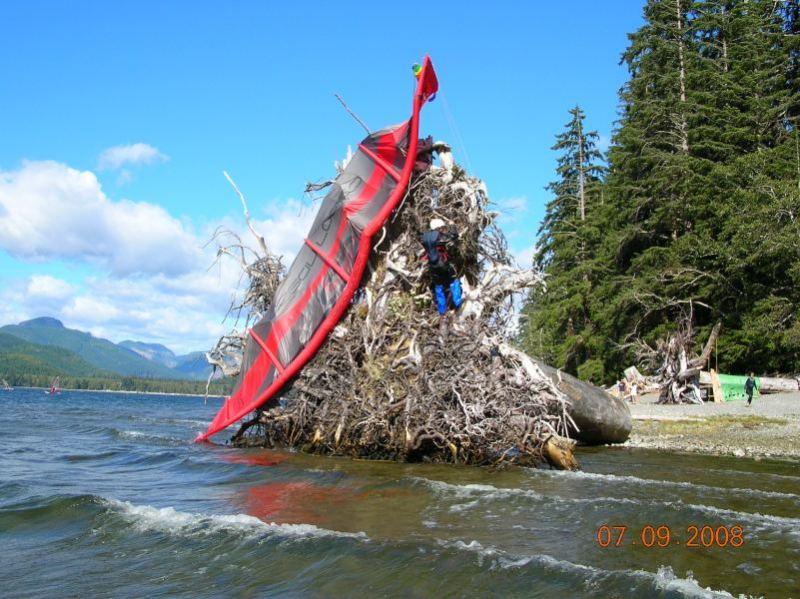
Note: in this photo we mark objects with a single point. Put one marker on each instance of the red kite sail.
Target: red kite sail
(327, 271)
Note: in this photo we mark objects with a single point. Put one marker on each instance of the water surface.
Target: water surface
(105, 494)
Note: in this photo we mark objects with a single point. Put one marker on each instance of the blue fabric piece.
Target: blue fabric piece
(455, 293)
(441, 298)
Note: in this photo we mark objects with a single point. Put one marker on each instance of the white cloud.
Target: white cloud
(286, 227)
(90, 310)
(162, 286)
(54, 211)
(524, 257)
(138, 153)
(45, 286)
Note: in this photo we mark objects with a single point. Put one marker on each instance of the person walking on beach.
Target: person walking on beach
(634, 391)
(749, 386)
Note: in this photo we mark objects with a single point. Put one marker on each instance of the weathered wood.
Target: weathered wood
(701, 360)
(777, 385)
(600, 417)
(687, 374)
(716, 387)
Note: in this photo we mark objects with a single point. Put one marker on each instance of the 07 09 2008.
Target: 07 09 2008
(661, 535)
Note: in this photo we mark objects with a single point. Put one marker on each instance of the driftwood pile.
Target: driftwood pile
(677, 367)
(395, 380)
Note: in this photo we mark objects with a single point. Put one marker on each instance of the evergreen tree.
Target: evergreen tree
(701, 203)
(559, 320)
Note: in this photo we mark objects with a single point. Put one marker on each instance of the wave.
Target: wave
(492, 492)
(150, 438)
(470, 490)
(174, 522)
(664, 580)
(665, 483)
(167, 420)
(488, 492)
(108, 513)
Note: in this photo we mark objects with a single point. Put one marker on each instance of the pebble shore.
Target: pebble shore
(769, 428)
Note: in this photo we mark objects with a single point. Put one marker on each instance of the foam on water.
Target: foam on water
(470, 490)
(581, 475)
(663, 580)
(489, 492)
(174, 522)
(150, 438)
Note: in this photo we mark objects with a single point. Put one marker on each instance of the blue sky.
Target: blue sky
(117, 119)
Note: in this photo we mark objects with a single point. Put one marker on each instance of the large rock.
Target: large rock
(601, 417)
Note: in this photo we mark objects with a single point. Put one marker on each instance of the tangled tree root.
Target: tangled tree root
(397, 381)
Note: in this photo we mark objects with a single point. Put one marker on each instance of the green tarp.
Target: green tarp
(733, 387)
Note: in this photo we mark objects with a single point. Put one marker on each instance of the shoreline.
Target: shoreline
(61, 390)
(770, 428)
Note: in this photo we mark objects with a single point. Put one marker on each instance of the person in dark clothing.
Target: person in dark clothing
(749, 386)
(446, 285)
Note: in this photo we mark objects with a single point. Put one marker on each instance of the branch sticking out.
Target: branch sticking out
(259, 238)
(353, 114)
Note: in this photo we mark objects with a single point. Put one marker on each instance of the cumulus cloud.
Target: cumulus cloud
(45, 286)
(160, 287)
(286, 227)
(133, 154)
(54, 211)
(186, 316)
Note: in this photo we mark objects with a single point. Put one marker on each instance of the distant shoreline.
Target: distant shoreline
(127, 392)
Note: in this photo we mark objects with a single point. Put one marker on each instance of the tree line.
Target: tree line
(692, 214)
(33, 378)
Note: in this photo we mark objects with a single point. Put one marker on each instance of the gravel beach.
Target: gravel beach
(770, 427)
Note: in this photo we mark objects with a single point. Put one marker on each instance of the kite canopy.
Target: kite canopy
(327, 271)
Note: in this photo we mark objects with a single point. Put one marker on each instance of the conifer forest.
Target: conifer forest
(691, 216)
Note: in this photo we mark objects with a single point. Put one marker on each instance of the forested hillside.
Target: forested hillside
(23, 363)
(696, 216)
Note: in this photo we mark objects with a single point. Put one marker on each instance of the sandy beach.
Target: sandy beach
(770, 427)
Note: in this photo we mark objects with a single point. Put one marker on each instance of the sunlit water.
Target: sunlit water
(106, 495)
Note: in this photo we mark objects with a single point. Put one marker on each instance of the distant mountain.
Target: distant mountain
(17, 354)
(155, 352)
(194, 365)
(44, 322)
(53, 346)
(99, 353)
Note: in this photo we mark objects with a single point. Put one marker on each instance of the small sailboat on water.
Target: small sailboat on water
(55, 388)
(4, 386)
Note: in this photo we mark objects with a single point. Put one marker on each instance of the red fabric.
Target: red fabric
(245, 400)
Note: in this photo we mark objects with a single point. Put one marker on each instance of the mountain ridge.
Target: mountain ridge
(128, 358)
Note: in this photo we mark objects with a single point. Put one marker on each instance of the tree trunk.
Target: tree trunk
(682, 77)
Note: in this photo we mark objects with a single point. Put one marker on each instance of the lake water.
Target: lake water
(105, 495)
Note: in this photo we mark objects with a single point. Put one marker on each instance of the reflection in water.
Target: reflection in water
(294, 502)
(261, 457)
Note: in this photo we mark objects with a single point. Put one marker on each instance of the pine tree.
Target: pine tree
(559, 322)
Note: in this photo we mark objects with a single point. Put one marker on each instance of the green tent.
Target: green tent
(733, 387)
